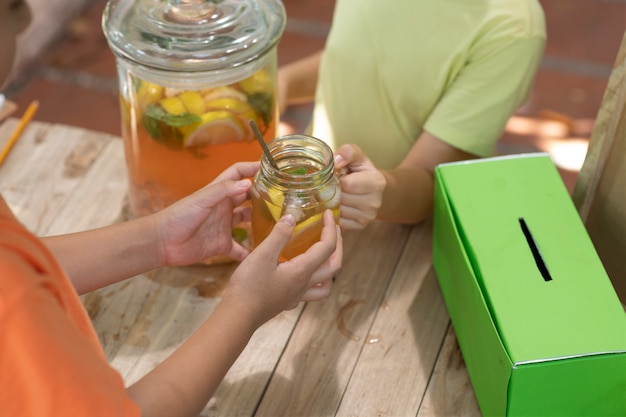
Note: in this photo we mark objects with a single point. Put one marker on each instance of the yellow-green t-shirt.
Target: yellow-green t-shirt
(456, 68)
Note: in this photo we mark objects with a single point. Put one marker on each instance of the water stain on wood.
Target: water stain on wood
(208, 281)
(40, 135)
(211, 289)
(341, 316)
(138, 341)
(77, 163)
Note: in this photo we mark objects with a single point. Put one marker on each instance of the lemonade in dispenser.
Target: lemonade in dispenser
(192, 74)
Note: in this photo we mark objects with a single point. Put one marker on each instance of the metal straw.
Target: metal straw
(266, 151)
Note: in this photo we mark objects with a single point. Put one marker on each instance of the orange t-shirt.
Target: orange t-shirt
(51, 362)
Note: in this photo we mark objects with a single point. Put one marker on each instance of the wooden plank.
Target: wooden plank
(241, 391)
(117, 309)
(169, 310)
(450, 391)
(100, 199)
(56, 157)
(600, 192)
(315, 369)
(404, 341)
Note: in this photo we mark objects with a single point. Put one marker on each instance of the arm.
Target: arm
(297, 81)
(193, 229)
(47, 344)
(99, 257)
(408, 195)
(259, 289)
(400, 195)
(469, 115)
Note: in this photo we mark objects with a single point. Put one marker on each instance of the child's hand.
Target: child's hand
(200, 225)
(361, 187)
(264, 287)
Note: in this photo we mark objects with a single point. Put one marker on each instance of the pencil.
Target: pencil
(26, 118)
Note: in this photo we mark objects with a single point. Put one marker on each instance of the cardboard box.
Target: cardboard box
(540, 327)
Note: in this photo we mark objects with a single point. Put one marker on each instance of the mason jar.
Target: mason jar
(304, 185)
(192, 73)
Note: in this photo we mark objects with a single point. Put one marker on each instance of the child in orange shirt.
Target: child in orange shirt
(51, 363)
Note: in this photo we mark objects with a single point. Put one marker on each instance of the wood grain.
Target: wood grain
(404, 340)
(450, 392)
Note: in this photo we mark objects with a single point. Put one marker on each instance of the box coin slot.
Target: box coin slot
(541, 265)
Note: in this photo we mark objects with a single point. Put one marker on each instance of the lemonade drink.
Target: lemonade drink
(304, 186)
(177, 141)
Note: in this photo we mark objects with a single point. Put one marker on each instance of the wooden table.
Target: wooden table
(381, 345)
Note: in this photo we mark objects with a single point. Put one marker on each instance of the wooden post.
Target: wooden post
(600, 191)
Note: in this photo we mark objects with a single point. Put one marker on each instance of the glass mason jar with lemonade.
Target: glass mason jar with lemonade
(192, 73)
(304, 185)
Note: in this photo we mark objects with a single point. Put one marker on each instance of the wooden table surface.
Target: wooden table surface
(380, 345)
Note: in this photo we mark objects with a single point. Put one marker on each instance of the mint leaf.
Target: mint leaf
(155, 114)
(180, 120)
(297, 171)
(262, 104)
(239, 234)
(155, 111)
(137, 83)
(152, 125)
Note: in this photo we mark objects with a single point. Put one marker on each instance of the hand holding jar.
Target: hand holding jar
(304, 185)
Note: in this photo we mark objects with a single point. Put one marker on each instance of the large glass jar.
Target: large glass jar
(304, 185)
(192, 73)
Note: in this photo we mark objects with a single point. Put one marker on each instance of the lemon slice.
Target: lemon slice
(259, 82)
(173, 105)
(193, 102)
(223, 92)
(300, 227)
(228, 103)
(215, 127)
(149, 93)
(275, 203)
(172, 92)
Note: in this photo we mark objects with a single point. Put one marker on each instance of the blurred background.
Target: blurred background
(65, 63)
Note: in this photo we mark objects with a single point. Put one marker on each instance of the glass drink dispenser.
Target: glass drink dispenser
(192, 73)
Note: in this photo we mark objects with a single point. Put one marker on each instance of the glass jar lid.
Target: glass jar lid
(193, 35)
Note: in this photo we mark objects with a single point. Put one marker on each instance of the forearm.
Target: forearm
(184, 383)
(408, 195)
(298, 79)
(99, 257)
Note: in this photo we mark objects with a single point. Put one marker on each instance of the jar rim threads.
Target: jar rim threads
(294, 152)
